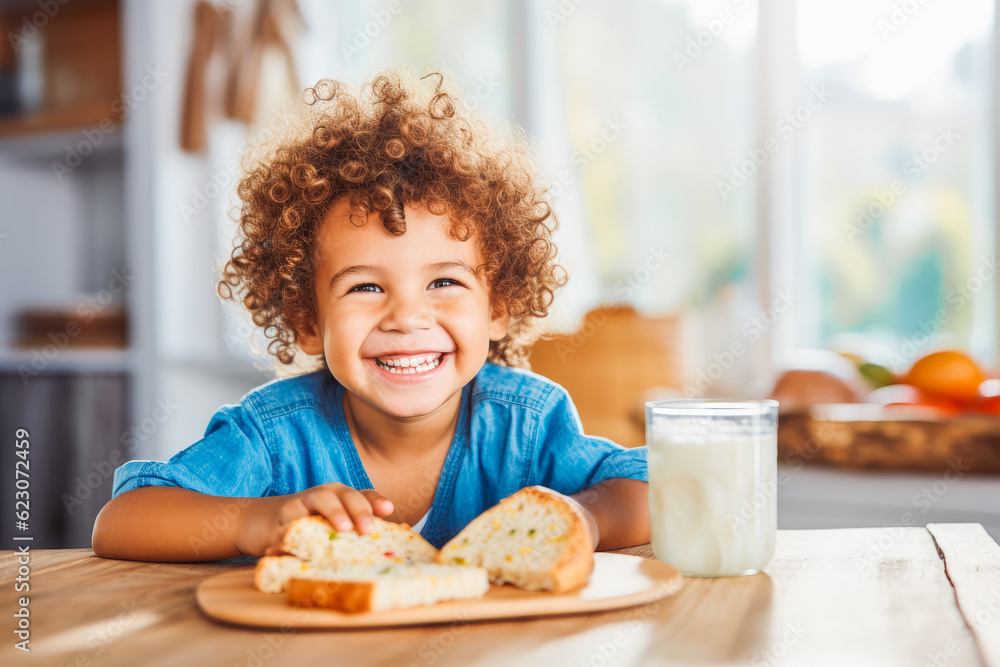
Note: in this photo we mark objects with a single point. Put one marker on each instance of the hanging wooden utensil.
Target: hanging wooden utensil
(209, 20)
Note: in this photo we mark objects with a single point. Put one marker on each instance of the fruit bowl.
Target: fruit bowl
(871, 437)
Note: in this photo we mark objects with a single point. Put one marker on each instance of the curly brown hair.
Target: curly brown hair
(398, 141)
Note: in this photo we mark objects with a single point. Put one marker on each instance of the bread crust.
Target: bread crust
(577, 562)
(378, 525)
(574, 566)
(266, 563)
(348, 596)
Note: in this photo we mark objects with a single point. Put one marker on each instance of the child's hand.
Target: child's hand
(345, 508)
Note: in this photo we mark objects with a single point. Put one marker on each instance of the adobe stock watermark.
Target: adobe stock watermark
(899, 16)
(712, 29)
(943, 657)
(922, 501)
(751, 330)
(773, 654)
(85, 313)
(913, 170)
(269, 643)
(563, 11)
(101, 638)
(605, 652)
(431, 650)
(957, 298)
(796, 459)
(626, 286)
(976, 620)
(32, 24)
(365, 34)
(785, 128)
(121, 108)
(221, 179)
(485, 87)
(129, 440)
(226, 519)
(587, 154)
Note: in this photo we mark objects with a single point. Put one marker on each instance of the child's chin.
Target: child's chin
(410, 409)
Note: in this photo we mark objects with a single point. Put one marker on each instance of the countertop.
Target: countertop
(858, 596)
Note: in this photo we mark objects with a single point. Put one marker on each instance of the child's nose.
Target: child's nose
(407, 313)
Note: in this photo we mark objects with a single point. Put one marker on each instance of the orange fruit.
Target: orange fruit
(948, 374)
(987, 406)
(906, 396)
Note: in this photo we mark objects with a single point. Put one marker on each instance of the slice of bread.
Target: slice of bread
(362, 588)
(313, 543)
(273, 572)
(534, 539)
(314, 540)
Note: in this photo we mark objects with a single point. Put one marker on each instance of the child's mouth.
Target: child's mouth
(416, 365)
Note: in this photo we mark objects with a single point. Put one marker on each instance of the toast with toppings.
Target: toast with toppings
(314, 540)
(311, 542)
(390, 568)
(535, 539)
(360, 588)
(273, 572)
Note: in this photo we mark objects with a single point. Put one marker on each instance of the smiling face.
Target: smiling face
(403, 321)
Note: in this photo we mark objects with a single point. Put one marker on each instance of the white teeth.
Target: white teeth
(411, 365)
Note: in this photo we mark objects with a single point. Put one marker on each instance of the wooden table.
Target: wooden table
(867, 596)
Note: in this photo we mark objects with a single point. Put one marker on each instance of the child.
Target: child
(393, 237)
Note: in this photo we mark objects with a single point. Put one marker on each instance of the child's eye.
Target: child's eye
(445, 282)
(366, 287)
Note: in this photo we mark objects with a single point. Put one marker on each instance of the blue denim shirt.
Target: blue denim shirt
(515, 429)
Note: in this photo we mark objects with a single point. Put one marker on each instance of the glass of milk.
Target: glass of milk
(712, 484)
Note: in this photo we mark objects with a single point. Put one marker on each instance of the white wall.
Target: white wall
(188, 358)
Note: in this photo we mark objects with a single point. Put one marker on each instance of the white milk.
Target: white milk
(712, 501)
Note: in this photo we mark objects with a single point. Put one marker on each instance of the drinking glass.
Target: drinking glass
(712, 484)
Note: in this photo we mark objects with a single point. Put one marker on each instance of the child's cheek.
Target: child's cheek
(448, 305)
(345, 334)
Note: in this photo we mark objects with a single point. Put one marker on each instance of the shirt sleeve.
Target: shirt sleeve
(230, 460)
(568, 461)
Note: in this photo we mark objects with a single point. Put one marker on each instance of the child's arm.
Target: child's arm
(171, 524)
(619, 509)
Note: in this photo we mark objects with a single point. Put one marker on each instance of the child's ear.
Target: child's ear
(309, 337)
(499, 323)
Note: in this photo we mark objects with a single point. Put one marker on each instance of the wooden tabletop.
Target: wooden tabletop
(865, 596)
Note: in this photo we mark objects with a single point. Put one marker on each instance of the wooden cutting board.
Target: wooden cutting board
(617, 581)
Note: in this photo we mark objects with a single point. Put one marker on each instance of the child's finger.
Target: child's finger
(327, 503)
(360, 509)
(381, 505)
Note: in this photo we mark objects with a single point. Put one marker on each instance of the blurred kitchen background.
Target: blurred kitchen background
(743, 188)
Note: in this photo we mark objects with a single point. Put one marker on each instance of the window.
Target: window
(710, 156)
(892, 184)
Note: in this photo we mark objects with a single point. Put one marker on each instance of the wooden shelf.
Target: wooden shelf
(65, 119)
(889, 441)
(76, 360)
(54, 144)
